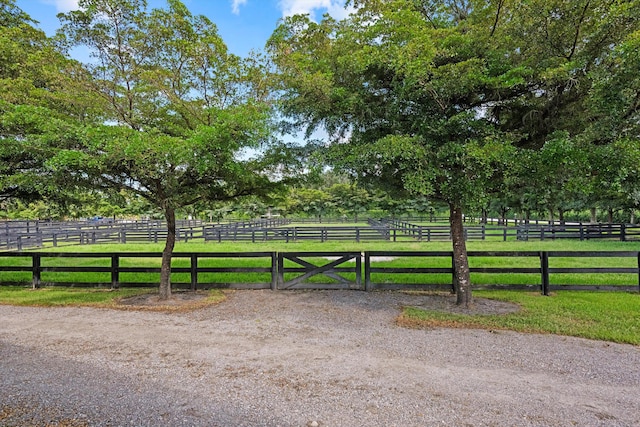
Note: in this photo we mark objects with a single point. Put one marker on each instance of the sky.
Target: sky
(244, 25)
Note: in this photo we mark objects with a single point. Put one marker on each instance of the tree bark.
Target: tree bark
(167, 253)
(461, 274)
(594, 216)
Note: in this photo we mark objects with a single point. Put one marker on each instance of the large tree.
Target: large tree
(408, 92)
(38, 97)
(431, 96)
(181, 111)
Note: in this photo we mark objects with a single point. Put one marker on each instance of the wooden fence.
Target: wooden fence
(371, 270)
(22, 235)
(523, 232)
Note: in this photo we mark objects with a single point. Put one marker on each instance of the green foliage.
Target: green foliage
(38, 96)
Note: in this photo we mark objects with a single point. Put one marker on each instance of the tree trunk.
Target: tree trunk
(461, 274)
(610, 215)
(165, 269)
(594, 216)
(503, 216)
(561, 216)
(632, 217)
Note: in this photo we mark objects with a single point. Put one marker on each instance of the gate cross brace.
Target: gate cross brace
(324, 269)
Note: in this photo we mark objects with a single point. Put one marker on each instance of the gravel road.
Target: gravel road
(333, 358)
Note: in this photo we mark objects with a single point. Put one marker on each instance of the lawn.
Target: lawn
(605, 316)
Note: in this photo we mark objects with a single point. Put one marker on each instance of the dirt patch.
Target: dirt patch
(481, 306)
(189, 300)
(179, 301)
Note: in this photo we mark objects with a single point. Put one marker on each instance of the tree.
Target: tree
(38, 97)
(180, 111)
(349, 199)
(310, 201)
(407, 92)
(431, 96)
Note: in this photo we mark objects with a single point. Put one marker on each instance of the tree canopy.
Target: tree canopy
(433, 97)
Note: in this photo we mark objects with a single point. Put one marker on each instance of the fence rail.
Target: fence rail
(25, 235)
(371, 270)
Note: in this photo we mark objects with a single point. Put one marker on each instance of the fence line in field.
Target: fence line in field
(292, 270)
(29, 234)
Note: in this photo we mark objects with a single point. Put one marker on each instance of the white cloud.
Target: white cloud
(335, 8)
(63, 5)
(235, 5)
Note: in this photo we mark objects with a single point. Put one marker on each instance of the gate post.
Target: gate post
(367, 271)
(280, 271)
(274, 271)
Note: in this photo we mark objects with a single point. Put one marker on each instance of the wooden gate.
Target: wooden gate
(303, 270)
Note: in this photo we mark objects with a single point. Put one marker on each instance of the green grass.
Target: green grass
(594, 315)
(100, 298)
(55, 297)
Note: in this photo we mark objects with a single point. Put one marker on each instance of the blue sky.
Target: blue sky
(243, 24)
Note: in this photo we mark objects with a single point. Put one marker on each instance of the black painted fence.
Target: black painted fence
(326, 270)
(21, 235)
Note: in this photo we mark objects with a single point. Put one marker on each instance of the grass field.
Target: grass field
(594, 315)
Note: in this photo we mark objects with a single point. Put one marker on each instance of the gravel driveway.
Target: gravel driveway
(333, 358)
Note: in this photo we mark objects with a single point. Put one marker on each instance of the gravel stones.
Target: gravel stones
(293, 358)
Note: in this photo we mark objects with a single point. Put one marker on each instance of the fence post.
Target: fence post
(623, 237)
(544, 269)
(274, 270)
(367, 272)
(453, 273)
(280, 269)
(638, 271)
(115, 271)
(35, 267)
(194, 272)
